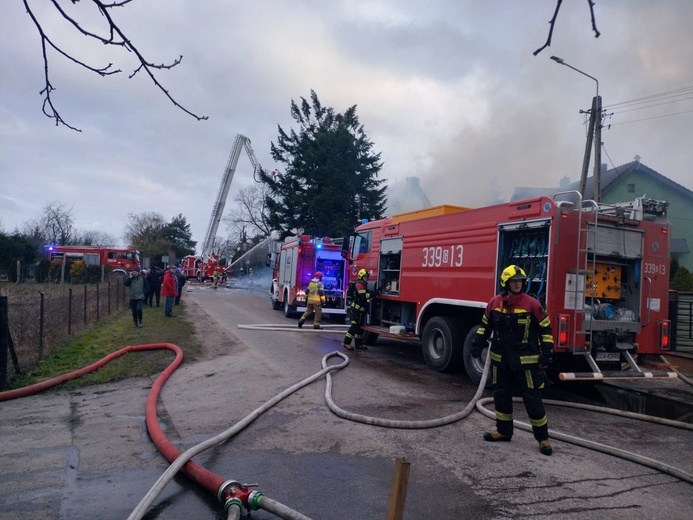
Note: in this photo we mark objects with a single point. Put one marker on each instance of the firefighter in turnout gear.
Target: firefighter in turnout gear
(358, 308)
(315, 297)
(521, 347)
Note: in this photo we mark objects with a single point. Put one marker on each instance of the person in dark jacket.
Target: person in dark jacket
(154, 279)
(181, 282)
(138, 288)
(358, 308)
(521, 348)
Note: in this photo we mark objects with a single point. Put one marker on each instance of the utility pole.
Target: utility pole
(588, 147)
(594, 132)
(597, 117)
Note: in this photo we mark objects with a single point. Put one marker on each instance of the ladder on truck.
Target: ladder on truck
(240, 142)
(584, 299)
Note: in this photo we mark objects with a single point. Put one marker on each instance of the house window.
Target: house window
(631, 188)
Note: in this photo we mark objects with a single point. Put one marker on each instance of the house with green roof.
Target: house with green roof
(629, 181)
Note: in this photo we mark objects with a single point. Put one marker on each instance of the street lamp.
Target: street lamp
(595, 130)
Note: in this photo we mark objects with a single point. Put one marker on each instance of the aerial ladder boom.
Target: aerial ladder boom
(239, 142)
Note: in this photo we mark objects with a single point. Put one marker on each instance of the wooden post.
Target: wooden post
(4, 339)
(399, 489)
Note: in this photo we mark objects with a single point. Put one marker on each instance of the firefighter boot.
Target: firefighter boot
(496, 437)
(300, 324)
(545, 447)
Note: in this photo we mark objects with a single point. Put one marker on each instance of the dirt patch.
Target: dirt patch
(214, 340)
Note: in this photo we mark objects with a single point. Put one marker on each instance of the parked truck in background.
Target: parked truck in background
(121, 260)
(295, 264)
(601, 271)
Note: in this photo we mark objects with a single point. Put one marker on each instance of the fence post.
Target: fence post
(108, 297)
(41, 318)
(85, 304)
(4, 340)
(97, 303)
(69, 311)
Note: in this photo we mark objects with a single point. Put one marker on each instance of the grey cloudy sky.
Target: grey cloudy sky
(448, 91)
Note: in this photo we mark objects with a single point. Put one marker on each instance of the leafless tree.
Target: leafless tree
(113, 36)
(33, 229)
(57, 223)
(552, 24)
(250, 214)
(93, 238)
(145, 232)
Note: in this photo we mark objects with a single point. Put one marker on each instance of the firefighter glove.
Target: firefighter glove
(323, 300)
(546, 358)
(477, 346)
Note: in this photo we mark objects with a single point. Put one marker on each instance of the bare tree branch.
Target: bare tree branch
(552, 24)
(116, 37)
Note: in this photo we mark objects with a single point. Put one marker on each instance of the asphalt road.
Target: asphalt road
(86, 454)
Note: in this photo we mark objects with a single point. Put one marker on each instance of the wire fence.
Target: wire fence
(40, 321)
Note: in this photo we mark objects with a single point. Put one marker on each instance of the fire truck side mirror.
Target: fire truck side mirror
(350, 247)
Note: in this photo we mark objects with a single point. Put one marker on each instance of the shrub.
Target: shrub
(78, 272)
(682, 280)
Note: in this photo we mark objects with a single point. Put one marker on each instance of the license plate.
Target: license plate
(608, 356)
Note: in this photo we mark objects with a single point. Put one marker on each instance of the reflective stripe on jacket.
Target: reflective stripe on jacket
(315, 292)
(520, 326)
(361, 296)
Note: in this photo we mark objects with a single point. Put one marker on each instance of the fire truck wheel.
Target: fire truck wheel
(442, 343)
(474, 366)
(289, 310)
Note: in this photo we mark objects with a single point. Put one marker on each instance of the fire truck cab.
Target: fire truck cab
(296, 262)
(601, 271)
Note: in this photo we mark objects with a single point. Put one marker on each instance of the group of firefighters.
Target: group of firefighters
(521, 345)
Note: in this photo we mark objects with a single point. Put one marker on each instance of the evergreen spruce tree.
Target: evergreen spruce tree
(330, 180)
(179, 237)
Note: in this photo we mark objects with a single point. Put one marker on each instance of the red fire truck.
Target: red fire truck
(121, 260)
(601, 271)
(295, 264)
(197, 267)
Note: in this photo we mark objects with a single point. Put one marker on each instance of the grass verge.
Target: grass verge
(112, 335)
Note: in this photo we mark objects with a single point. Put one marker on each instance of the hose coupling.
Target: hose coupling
(254, 500)
(232, 490)
(227, 486)
(235, 501)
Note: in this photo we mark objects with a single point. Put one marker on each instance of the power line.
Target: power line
(652, 105)
(652, 97)
(649, 118)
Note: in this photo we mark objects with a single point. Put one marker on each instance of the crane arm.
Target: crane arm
(239, 142)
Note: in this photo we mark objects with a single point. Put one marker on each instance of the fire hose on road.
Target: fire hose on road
(235, 495)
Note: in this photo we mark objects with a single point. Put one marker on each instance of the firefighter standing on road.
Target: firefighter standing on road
(359, 304)
(521, 347)
(315, 297)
